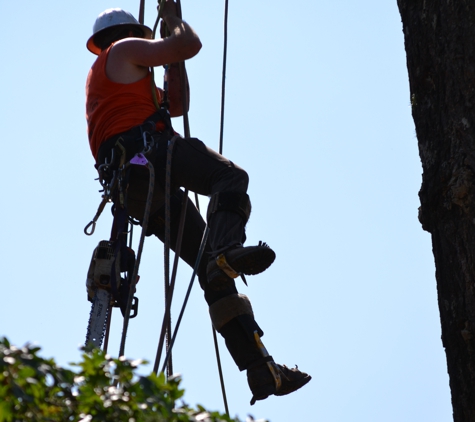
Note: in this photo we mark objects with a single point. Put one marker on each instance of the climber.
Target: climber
(120, 112)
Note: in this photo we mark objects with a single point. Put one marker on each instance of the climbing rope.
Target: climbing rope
(141, 11)
(169, 284)
(180, 317)
(168, 288)
(148, 206)
(166, 325)
(221, 135)
(223, 80)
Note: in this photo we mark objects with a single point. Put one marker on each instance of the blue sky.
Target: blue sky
(318, 113)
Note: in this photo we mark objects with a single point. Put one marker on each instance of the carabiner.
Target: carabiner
(147, 145)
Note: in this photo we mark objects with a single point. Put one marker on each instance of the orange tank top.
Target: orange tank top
(111, 107)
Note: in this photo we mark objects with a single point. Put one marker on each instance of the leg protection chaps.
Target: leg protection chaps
(233, 318)
(228, 213)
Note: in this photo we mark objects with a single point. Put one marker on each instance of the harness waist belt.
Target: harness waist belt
(136, 132)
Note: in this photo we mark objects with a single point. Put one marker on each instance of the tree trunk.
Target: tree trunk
(440, 47)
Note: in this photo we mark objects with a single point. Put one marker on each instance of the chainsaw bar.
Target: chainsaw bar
(96, 328)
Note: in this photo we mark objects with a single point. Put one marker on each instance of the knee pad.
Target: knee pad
(236, 307)
(237, 202)
(228, 308)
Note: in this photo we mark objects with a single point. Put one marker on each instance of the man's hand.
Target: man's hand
(168, 9)
(182, 44)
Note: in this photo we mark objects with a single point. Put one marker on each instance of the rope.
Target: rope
(220, 370)
(195, 269)
(168, 291)
(221, 132)
(141, 11)
(223, 80)
(167, 244)
(166, 320)
(165, 324)
(169, 298)
(148, 206)
(152, 77)
(169, 285)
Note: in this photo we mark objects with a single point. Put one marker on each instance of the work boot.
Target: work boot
(233, 318)
(249, 260)
(263, 383)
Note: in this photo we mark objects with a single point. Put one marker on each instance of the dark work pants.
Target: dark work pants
(202, 170)
(198, 169)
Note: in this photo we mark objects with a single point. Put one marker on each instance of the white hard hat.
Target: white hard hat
(110, 18)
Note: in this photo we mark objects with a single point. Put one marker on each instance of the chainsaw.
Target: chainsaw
(108, 285)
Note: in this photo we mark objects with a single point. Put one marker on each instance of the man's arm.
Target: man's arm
(130, 58)
(176, 90)
(182, 44)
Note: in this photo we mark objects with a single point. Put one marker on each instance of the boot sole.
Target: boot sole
(251, 261)
(255, 261)
(291, 386)
(286, 388)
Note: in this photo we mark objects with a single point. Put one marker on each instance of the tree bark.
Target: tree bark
(440, 47)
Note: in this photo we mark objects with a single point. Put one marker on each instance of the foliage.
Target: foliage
(104, 389)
